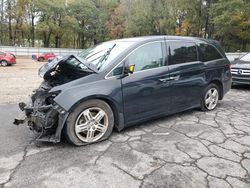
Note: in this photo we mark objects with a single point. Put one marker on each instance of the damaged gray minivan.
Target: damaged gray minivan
(124, 82)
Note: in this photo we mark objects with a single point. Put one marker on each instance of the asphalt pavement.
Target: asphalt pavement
(190, 149)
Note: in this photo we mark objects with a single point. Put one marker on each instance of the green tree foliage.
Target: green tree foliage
(232, 23)
(116, 23)
(83, 23)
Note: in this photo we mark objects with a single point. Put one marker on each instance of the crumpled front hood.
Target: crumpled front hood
(84, 80)
(48, 67)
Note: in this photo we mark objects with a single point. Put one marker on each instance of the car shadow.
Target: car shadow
(145, 124)
(62, 143)
(159, 120)
(244, 87)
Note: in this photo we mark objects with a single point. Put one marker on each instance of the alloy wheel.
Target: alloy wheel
(4, 63)
(91, 124)
(211, 98)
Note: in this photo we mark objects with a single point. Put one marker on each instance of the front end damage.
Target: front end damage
(42, 114)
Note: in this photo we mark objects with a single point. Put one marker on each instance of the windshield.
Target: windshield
(246, 57)
(101, 55)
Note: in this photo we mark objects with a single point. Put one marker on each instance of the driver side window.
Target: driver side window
(148, 56)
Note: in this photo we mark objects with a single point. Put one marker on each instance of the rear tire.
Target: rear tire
(91, 121)
(40, 59)
(210, 98)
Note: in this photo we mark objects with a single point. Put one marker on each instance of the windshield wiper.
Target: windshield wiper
(105, 57)
(89, 65)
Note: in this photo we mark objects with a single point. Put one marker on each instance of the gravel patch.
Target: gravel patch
(18, 81)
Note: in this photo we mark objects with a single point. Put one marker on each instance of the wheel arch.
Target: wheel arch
(118, 118)
(220, 86)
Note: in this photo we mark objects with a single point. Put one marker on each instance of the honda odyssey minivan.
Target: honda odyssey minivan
(123, 82)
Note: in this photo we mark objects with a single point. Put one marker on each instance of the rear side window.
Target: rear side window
(209, 53)
(181, 52)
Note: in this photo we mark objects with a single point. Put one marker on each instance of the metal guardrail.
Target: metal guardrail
(28, 51)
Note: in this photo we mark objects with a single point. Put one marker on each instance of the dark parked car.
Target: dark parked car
(241, 70)
(7, 58)
(123, 82)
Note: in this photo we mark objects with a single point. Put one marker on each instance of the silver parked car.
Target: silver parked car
(241, 70)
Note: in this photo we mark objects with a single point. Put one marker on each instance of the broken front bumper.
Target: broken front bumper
(48, 120)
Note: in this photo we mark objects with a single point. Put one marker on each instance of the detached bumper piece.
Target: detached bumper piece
(46, 120)
(21, 119)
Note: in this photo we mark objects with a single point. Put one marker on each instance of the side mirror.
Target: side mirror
(129, 69)
(237, 58)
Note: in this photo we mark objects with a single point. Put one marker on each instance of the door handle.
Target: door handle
(164, 79)
(169, 78)
(174, 77)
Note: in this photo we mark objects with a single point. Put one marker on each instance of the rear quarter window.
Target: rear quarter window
(209, 53)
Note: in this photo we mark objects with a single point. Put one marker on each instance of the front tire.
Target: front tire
(91, 121)
(4, 63)
(210, 98)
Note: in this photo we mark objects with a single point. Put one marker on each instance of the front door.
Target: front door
(146, 91)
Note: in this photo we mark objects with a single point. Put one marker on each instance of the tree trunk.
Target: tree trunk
(32, 30)
(23, 38)
(16, 30)
(79, 40)
(206, 27)
(74, 42)
(244, 45)
(57, 41)
(82, 40)
(2, 22)
(58, 36)
(10, 32)
(82, 35)
(199, 19)
(9, 23)
(46, 38)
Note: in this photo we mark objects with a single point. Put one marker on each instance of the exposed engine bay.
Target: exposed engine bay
(42, 114)
(66, 70)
